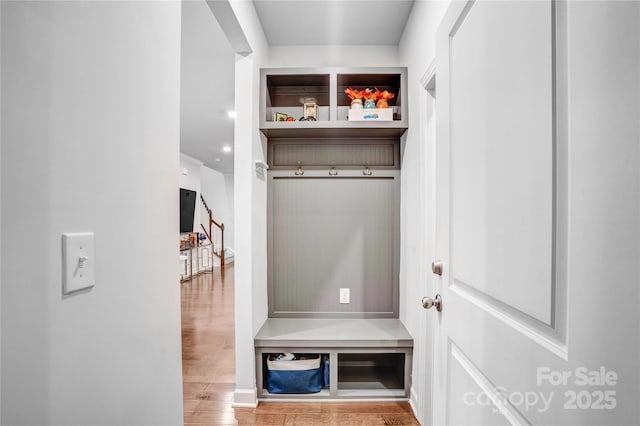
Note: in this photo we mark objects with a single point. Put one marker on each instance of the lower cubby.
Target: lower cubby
(371, 371)
(357, 373)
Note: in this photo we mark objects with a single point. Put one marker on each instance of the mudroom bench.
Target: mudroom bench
(366, 358)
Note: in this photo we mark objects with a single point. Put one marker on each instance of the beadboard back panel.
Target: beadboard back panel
(331, 232)
(381, 153)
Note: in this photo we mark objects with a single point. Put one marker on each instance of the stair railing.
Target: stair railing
(215, 236)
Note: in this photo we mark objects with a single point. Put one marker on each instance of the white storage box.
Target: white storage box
(371, 114)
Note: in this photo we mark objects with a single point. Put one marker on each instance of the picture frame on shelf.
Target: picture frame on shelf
(279, 116)
(310, 111)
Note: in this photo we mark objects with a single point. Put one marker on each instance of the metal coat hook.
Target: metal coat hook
(299, 172)
(333, 172)
(367, 171)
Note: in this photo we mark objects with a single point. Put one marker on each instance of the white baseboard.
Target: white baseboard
(413, 403)
(245, 398)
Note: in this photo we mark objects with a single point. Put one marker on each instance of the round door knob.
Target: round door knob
(429, 303)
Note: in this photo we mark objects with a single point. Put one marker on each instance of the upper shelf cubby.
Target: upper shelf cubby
(296, 93)
(290, 90)
(390, 82)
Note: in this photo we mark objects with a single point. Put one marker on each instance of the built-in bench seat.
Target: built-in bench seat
(368, 358)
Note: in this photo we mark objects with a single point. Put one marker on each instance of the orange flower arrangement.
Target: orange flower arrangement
(382, 98)
(353, 94)
(369, 94)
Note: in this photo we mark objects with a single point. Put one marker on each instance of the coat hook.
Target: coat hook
(261, 165)
(299, 172)
(333, 172)
(366, 171)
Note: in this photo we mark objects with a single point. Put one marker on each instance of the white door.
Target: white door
(537, 214)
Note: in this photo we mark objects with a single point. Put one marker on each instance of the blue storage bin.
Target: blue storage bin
(295, 376)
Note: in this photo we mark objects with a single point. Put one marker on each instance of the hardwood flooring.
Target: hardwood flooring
(208, 368)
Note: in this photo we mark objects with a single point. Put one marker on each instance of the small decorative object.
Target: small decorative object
(383, 98)
(279, 116)
(355, 96)
(310, 110)
(370, 97)
(353, 93)
(290, 119)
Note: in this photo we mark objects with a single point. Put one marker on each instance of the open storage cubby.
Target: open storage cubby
(286, 93)
(285, 90)
(371, 371)
(382, 82)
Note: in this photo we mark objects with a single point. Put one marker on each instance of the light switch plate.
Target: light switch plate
(345, 296)
(78, 261)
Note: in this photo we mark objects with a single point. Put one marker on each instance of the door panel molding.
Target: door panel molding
(532, 328)
(500, 403)
(549, 334)
(459, 21)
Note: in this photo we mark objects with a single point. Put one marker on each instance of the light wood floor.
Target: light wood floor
(208, 368)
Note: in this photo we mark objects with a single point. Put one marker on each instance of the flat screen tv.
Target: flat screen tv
(187, 209)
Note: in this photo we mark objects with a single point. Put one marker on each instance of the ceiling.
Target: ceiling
(207, 88)
(208, 62)
(330, 22)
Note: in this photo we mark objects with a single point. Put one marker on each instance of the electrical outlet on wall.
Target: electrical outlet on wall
(345, 296)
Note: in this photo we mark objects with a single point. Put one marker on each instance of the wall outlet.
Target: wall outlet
(345, 296)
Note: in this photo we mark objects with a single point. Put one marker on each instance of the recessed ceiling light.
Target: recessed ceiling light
(231, 114)
(226, 148)
(217, 159)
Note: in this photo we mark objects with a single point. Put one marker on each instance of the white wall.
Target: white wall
(417, 52)
(229, 182)
(0, 225)
(192, 180)
(217, 190)
(90, 134)
(249, 204)
(604, 194)
(333, 56)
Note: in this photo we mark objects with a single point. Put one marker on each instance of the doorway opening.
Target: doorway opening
(207, 257)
